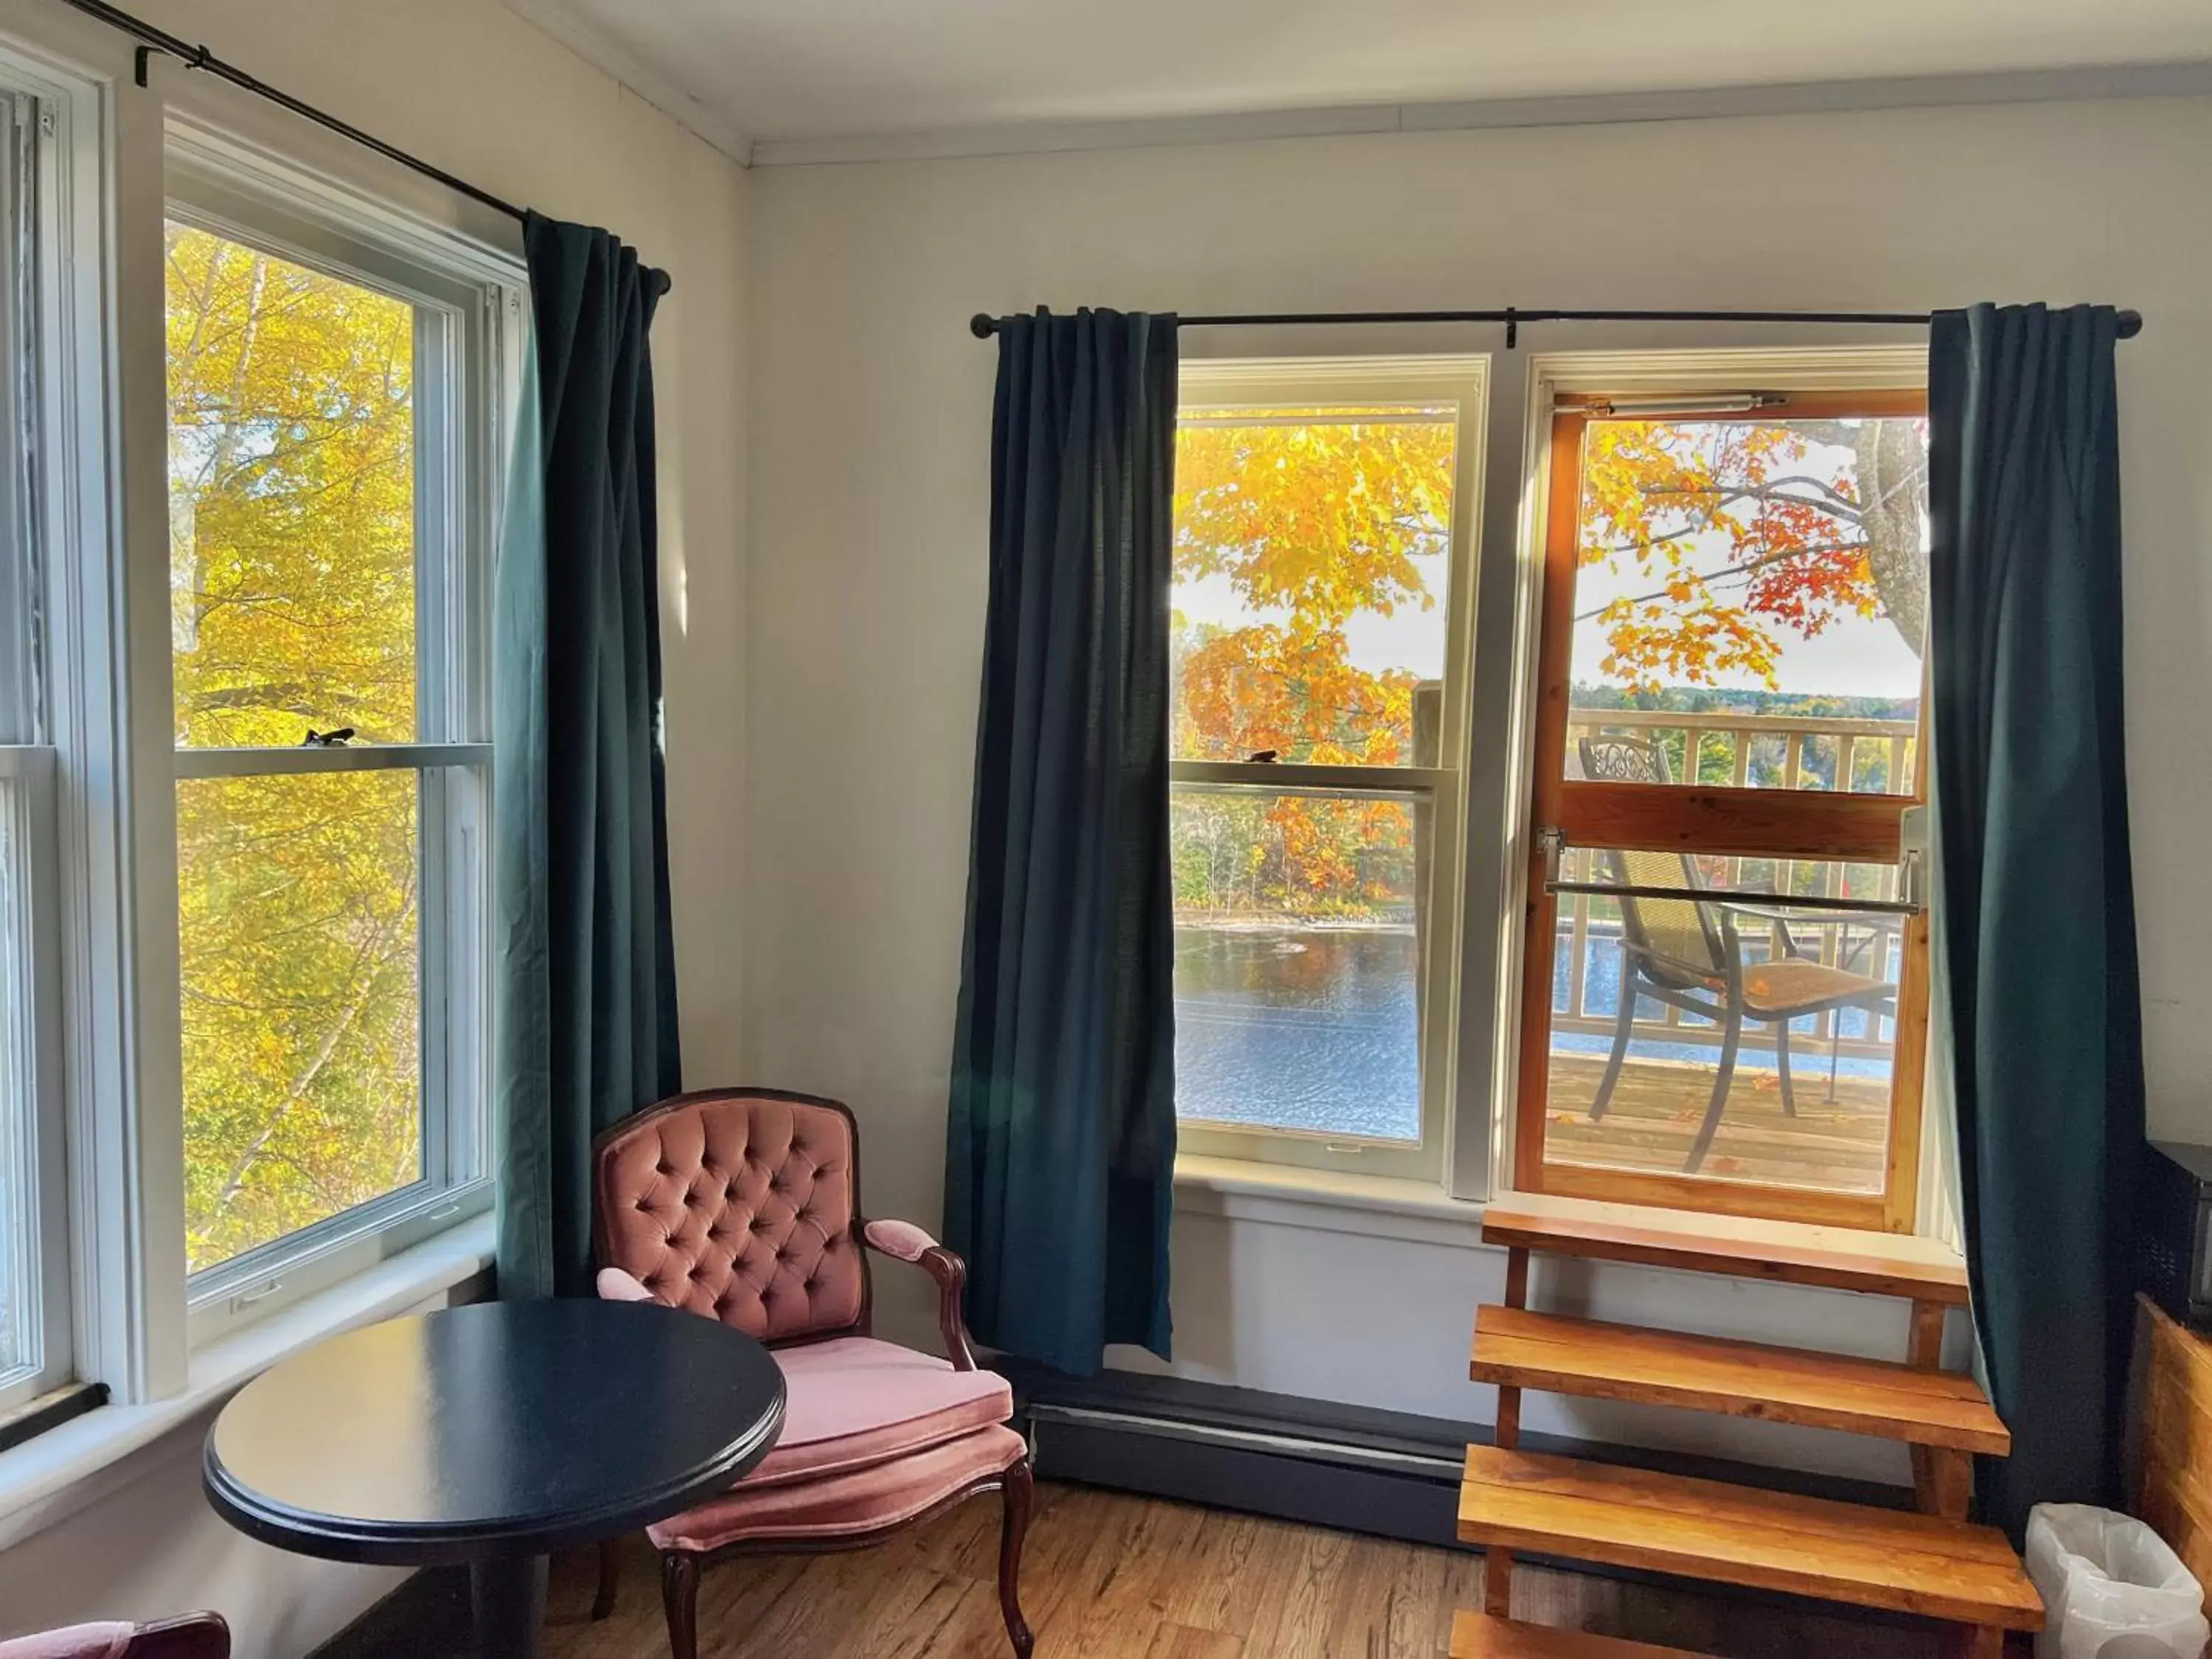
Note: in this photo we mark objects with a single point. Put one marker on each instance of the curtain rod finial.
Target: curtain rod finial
(983, 325)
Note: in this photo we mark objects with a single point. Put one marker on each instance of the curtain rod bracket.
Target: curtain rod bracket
(1512, 329)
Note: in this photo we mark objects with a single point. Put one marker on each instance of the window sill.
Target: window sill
(70, 1466)
(1326, 1201)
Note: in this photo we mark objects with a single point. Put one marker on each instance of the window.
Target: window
(329, 431)
(1725, 995)
(34, 1328)
(1320, 647)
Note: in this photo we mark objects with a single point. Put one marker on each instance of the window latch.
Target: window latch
(337, 739)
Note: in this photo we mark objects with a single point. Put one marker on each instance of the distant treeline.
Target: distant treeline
(1708, 699)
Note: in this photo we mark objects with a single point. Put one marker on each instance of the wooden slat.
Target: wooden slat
(1479, 1636)
(1873, 1272)
(1748, 823)
(2172, 1409)
(1872, 1557)
(1734, 1379)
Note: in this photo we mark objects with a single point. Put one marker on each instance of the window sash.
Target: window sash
(1832, 826)
(34, 1252)
(465, 317)
(1230, 391)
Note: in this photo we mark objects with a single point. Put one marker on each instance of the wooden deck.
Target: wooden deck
(1833, 1145)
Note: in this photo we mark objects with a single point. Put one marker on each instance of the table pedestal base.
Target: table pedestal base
(508, 1601)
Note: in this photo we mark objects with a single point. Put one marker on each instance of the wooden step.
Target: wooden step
(1479, 1636)
(1515, 1348)
(1871, 1557)
(1884, 1269)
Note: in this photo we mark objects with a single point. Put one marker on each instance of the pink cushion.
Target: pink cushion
(901, 1239)
(854, 1402)
(616, 1285)
(843, 1505)
(108, 1639)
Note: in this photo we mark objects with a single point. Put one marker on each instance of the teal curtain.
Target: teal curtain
(1059, 1157)
(2038, 909)
(585, 1019)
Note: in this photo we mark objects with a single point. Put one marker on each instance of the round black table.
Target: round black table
(492, 1434)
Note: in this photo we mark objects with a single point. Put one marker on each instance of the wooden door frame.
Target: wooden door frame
(1706, 819)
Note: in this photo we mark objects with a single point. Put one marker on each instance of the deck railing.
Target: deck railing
(1747, 751)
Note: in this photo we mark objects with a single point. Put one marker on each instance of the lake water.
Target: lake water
(1299, 1027)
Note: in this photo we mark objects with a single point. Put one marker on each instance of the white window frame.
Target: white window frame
(35, 1255)
(1463, 382)
(469, 318)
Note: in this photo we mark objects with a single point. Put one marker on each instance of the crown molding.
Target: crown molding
(2191, 79)
(554, 18)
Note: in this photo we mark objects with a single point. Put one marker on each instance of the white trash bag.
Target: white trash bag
(2113, 1589)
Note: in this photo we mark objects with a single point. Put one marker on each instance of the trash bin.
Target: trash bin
(2113, 1589)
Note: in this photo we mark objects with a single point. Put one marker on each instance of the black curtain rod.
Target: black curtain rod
(152, 40)
(983, 325)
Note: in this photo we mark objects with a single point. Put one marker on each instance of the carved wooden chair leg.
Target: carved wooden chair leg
(679, 1598)
(1018, 1489)
(603, 1602)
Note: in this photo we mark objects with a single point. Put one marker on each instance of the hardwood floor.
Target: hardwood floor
(1110, 1575)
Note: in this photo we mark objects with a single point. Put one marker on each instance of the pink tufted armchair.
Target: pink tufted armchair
(744, 1204)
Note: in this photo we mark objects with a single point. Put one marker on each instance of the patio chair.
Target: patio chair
(1686, 952)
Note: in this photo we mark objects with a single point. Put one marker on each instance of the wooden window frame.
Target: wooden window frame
(1732, 821)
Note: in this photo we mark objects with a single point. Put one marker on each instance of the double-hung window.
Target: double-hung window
(34, 1320)
(1321, 614)
(330, 461)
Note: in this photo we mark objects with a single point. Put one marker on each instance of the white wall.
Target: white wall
(469, 86)
(869, 425)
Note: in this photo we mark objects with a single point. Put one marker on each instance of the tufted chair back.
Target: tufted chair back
(740, 1204)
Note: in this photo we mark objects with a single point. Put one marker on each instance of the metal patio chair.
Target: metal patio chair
(1686, 952)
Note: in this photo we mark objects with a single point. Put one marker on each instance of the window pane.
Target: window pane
(302, 1002)
(1811, 994)
(1750, 604)
(17, 1184)
(1311, 562)
(1298, 981)
(291, 499)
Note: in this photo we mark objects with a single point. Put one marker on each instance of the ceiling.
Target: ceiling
(796, 70)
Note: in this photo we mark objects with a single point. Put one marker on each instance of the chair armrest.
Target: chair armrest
(616, 1285)
(909, 1242)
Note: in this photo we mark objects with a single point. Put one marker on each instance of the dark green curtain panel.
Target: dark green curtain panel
(1059, 1156)
(587, 972)
(2038, 909)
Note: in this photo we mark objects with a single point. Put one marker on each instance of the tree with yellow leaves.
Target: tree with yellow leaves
(292, 516)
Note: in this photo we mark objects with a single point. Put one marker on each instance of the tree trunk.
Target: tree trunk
(1892, 481)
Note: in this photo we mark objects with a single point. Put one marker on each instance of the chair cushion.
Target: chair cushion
(855, 1502)
(854, 1402)
(108, 1639)
(739, 1207)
